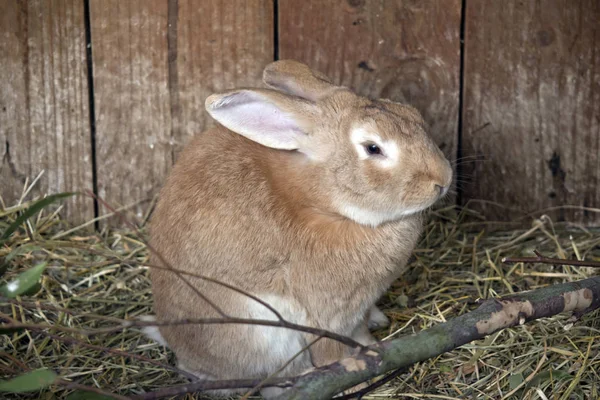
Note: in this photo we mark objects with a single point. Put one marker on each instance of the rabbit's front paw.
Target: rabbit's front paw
(377, 319)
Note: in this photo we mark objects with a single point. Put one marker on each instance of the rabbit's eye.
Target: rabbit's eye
(373, 149)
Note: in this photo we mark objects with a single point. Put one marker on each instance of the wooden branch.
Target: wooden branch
(540, 259)
(491, 316)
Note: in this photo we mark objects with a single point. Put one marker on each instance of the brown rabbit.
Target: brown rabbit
(308, 197)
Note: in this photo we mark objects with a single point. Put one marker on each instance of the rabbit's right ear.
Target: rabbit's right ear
(295, 78)
(264, 116)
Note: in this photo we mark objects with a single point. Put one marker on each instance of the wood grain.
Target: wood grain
(222, 44)
(44, 104)
(404, 50)
(155, 62)
(131, 98)
(532, 106)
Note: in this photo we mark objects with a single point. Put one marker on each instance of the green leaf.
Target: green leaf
(35, 207)
(515, 380)
(23, 283)
(81, 395)
(29, 382)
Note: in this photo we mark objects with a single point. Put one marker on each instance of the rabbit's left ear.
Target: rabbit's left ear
(264, 116)
(297, 79)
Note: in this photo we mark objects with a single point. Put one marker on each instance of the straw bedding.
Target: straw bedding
(95, 279)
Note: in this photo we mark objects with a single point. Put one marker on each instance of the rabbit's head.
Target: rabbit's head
(374, 156)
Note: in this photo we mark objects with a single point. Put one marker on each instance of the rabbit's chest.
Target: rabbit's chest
(353, 275)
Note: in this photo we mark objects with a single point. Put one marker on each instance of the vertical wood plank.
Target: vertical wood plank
(404, 50)
(44, 104)
(532, 106)
(155, 62)
(221, 44)
(131, 97)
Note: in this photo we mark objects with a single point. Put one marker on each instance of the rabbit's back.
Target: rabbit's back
(214, 209)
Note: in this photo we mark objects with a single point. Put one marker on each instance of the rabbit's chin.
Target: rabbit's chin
(374, 218)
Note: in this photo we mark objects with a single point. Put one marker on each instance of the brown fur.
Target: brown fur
(267, 221)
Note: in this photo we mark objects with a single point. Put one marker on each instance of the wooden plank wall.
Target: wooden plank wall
(407, 51)
(154, 63)
(530, 93)
(532, 107)
(44, 115)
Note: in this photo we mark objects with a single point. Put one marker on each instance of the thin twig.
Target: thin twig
(200, 386)
(283, 323)
(221, 283)
(541, 259)
(157, 254)
(135, 323)
(50, 307)
(244, 321)
(14, 360)
(120, 353)
(284, 366)
(77, 386)
(204, 321)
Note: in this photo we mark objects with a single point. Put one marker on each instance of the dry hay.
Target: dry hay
(96, 279)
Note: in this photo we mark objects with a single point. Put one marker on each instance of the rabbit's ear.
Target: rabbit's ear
(264, 116)
(295, 78)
